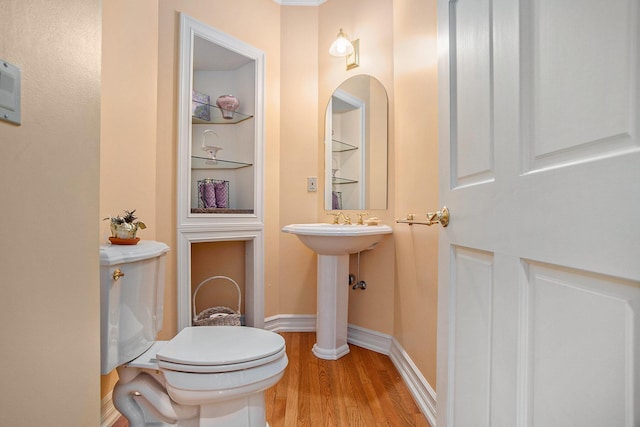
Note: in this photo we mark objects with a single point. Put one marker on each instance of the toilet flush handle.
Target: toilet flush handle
(117, 274)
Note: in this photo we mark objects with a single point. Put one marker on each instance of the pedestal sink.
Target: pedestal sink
(333, 243)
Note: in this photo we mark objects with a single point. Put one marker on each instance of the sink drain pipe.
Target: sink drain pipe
(361, 284)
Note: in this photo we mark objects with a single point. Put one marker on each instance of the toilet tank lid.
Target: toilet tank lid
(111, 254)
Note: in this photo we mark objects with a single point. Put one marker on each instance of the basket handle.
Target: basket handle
(213, 278)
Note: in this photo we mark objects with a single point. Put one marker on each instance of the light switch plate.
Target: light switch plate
(312, 183)
(9, 92)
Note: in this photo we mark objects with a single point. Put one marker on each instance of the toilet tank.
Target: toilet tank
(131, 305)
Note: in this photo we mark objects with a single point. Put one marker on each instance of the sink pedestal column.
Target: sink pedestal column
(333, 305)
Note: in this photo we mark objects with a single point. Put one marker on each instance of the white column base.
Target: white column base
(333, 305)
(331, 353)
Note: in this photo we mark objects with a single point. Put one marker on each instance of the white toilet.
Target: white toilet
(205, 376)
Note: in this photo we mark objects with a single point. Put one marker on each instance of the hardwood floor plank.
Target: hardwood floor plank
(364, 405)
(369, 390)
(315, 376)
(335, 390)
(421, 421)
(304, 400)
(326, 403)
(293, 371)
(362, 388)
(404, 396)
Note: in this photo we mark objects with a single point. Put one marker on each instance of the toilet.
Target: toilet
(205, 376)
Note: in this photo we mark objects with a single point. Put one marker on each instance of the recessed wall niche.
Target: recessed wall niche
(211, 259)
(220, 170)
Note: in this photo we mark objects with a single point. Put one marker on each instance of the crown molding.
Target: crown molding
(299, 2)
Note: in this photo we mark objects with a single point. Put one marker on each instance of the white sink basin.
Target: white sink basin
(338, 239)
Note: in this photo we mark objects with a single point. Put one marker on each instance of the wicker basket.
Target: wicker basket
(216, 316)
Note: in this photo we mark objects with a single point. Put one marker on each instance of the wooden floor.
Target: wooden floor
(362, 388)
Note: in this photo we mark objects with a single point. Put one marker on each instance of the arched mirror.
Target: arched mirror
(356, 145)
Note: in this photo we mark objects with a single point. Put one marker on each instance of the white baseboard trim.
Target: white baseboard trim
(422, 392)
(291, 323)
(108, 414)
(371, 340)
(356, 335)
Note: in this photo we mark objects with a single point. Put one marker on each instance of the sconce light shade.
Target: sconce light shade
(341, 46)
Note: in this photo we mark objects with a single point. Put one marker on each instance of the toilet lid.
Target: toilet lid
(219, 349)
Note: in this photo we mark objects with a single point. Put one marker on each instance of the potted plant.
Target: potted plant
(124, 228)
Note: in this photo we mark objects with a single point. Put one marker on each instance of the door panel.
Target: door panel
(539, 269)
(578, 330)
(579, 81)
(472, 140)
(473, 295)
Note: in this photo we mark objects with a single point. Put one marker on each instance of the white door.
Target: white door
(539, 268)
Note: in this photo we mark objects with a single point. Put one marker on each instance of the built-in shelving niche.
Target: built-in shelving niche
(213, 63)
(219, 71)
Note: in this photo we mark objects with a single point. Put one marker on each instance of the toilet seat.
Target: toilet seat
(210, 364)
(216, 349)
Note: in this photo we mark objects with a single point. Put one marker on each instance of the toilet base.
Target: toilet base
(138, 388)
(213, 417)
(244, 411)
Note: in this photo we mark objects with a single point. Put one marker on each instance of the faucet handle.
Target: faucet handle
(361, 217)
(336, 217)
(347, 219)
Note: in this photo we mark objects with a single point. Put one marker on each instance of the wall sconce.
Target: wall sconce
(350, 49)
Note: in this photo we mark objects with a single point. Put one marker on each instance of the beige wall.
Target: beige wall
(128, 112)
(209, 259)
(139, 112)
(51, 162)
(128, 118)
(49, 290)
(311, 75)
(296, 291)
(397, 46)
(415, 80)
(246, 21)
(371, 22)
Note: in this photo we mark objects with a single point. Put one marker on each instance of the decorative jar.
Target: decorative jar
(228, 105)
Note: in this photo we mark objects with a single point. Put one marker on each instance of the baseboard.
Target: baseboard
(291, 323)
(422, 392)
(108, 414)
(362, 337)
(371, 340)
